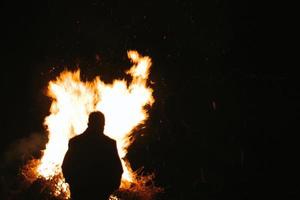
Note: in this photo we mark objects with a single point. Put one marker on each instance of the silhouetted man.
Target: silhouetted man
(91, 165)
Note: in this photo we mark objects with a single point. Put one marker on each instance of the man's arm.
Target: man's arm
(67, 163)
(117, 161)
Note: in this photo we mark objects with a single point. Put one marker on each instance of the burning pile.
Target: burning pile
(73, 100)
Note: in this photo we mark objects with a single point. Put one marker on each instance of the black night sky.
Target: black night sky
(223, 122)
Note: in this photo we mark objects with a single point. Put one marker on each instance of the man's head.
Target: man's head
(96, 121)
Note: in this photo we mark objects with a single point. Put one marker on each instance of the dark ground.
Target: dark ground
(223, 125)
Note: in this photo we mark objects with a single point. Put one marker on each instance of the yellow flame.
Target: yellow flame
(73, 100)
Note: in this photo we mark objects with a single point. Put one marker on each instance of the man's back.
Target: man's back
(92, 166)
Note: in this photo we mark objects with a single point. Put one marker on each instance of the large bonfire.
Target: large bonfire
(122, 103)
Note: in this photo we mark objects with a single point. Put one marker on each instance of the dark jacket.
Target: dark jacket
(92, 166)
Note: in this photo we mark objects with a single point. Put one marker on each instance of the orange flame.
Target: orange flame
(73, 100)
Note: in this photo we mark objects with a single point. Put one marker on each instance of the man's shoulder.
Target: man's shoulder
(82, 138)
(110, 140)
(76, 139)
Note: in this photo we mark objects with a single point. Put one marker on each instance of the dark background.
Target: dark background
(223, 125)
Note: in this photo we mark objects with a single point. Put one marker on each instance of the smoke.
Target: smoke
(24, 149)
(13, 159)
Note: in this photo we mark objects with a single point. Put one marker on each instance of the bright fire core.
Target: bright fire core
(122, 103)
